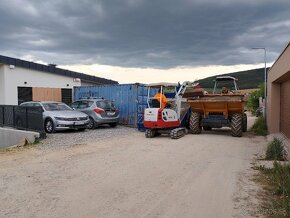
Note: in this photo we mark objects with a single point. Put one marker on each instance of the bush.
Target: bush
(278, 189)
(281, 179)
(253, 99)
(260, 127)
(276, 150)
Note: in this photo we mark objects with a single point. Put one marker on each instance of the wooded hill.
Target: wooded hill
(249, 79)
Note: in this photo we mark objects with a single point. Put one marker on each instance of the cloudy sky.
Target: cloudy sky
(145, 40)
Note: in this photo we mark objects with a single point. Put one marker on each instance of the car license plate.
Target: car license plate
(79, 123)
(110, 113)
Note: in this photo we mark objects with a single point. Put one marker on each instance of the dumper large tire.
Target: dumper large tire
(237, 125)
(194, 123)
(245, 122)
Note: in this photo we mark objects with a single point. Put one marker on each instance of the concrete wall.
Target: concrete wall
(2, 84)
(12, 137)
(279, 73)
(18, 76)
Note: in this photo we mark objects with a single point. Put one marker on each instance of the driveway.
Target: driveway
(127, 175)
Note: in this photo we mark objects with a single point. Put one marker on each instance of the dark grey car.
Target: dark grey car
(100, 111)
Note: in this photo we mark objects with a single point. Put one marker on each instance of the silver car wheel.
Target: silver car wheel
(91, 124)
(49, 128)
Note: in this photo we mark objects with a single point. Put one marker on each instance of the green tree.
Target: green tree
(253, 99)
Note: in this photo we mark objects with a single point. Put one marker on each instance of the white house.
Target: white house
(22, 81)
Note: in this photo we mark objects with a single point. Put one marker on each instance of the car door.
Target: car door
(85, 107)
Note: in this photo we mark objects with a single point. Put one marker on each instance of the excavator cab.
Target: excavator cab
(169, 90)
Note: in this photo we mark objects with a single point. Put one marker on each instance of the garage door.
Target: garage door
(285, 108)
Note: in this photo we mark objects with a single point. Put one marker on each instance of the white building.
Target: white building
(22, 81)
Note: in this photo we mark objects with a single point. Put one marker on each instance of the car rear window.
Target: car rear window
(105, 104)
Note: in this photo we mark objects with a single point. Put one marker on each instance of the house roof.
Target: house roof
(287, 46)
(54, 70)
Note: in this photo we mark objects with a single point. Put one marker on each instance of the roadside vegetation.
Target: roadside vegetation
(276, 185)
(275, 181)
(276, 150)
(253, 99)
(260, 127)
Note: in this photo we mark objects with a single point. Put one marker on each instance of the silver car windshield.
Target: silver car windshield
(56, 107)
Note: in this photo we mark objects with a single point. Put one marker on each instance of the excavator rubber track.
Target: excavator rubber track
(177, 133)
(149, 133)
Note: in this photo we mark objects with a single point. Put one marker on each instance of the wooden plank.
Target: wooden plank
(46, 94)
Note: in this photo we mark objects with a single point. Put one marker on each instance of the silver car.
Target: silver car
(100, 111)
(59, 116)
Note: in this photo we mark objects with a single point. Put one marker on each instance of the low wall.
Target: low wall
(13, 137)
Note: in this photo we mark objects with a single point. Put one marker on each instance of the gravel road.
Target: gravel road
(120, 173)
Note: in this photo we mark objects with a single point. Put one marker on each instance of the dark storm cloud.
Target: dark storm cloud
(143, 33)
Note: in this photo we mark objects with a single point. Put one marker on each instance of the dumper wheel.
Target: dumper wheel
(245, 122)
(194, 123)
(237, 125)
(149, 133)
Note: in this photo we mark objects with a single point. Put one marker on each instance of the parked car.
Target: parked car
(59, 116)
(100, 111)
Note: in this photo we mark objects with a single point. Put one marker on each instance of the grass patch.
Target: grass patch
(276, 184)
(260, 127)
(276, 150)
(36, 141)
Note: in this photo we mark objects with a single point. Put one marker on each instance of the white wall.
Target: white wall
(17, 76)
(2, 84)
(89, 84)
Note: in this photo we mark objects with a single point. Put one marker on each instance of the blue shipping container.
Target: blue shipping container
(131, 99)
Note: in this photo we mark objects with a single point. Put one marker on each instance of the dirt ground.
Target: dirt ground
(128, 175)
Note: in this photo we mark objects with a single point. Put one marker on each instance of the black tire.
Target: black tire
(237, 125)
(49, 126)
(245, 122)
(194, 123)
(113, 125)
(206, 128)
(91, 124)
(149, 133)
